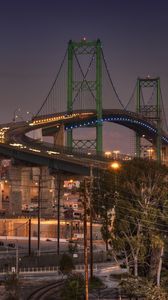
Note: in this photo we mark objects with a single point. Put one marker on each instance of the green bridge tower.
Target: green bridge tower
(85, 48)
(151, 112)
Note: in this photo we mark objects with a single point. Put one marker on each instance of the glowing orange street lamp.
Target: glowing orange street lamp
(115, 165)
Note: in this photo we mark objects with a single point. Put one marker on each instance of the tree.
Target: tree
(74, 287)
(103, 197)
(133, 287)
(155, 293)
(141, 216)
(136, 287)
(12, 287)
(66, 264)
(139, 229)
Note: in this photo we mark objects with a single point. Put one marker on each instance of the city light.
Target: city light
(150, 152)
(115, 165)
(107, 154)
(116, 152)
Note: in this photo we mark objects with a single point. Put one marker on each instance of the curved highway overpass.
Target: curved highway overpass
(15, 143)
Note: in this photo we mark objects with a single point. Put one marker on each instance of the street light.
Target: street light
(116, 152)
(17, 260)
(85, 243)
(115, 165)
(91, 221)
(39, 211)
(107, 154)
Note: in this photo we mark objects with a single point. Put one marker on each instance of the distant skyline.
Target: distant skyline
(34, 36)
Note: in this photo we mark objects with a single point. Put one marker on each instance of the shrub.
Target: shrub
(66, 264)
(95, 283)
(74, 287)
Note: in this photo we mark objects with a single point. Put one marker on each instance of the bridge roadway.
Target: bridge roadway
(15, 143)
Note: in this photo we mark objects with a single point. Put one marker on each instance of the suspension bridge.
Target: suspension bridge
(83, 95)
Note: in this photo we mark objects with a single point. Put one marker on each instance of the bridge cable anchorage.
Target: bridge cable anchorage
(108, 73)
(46, 99)
(84, 75)
(132, 97)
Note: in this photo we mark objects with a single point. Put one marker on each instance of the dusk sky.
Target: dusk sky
(34, 36)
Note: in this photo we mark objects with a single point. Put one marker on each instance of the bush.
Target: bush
(72, 247)
(74, 287)
(139, 287)
(66, 264)
(95, 283)
(134, 286)
(12, 287)
(155, 293)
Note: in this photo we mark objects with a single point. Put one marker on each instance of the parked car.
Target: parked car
(12, 245)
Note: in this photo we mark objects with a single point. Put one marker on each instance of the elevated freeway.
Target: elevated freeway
(15, 143)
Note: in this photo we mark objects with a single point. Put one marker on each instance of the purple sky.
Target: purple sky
(34, 36)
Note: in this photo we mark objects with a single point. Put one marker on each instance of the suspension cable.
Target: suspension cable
(132, 95)
(108, 73)
(44, 102)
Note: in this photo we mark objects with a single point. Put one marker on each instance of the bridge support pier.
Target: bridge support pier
(15, 206)
(59, 138)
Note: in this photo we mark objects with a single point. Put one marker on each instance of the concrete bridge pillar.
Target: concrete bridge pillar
(26, 185)
(45, 193)
(15, 206)
(165, 155)
(59, 137)
(59, 182)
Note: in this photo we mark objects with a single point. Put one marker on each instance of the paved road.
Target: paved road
(46, 245)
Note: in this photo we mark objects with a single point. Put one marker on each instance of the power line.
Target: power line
(137, 211)
(132, 96)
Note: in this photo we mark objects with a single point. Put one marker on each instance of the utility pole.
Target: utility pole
(17, 261)
(91, 222)
(85, 244)
(29, 236)
(58, 211)
(39, 212)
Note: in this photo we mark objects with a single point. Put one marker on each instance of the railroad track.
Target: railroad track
(46, 292)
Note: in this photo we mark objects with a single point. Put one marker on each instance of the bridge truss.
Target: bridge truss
(150, 111)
